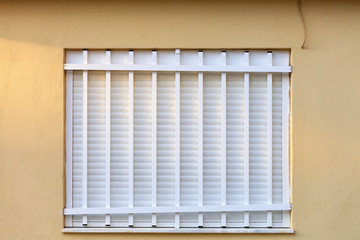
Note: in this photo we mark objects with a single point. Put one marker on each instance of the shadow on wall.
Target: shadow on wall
(123, 24)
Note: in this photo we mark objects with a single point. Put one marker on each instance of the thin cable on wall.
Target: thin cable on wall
(303, 22)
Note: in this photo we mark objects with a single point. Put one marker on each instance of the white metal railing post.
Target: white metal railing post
(285, 146)
(177, 139)
(154, 138)
(246, 140)
(200, 141)
(69, 143)
(107, 137)
(84, 135)
(269, 139)
(131, 138)
(223, 139)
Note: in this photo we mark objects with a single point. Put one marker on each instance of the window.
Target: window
(177, 139)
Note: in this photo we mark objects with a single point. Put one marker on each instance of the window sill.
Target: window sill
(178, 230)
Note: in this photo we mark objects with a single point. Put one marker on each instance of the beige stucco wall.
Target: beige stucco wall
(325, 92)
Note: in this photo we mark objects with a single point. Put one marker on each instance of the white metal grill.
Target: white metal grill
(178, 139)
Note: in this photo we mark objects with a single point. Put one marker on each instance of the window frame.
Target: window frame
(85, 67)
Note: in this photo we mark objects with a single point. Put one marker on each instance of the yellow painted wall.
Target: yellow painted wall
(325, 92)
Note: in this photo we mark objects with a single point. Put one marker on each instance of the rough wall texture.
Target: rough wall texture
(325, 99)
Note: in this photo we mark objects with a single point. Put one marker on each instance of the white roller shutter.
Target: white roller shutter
(177, 139)
(119, 185)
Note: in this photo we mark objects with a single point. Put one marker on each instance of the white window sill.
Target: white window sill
(178, 230)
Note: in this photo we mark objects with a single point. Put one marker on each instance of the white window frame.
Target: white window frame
(177, 68)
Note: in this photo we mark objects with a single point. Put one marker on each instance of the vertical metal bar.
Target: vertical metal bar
(69, 143)
(223, 140)
(200, 141)
(154, 137)
(285, 146)
(108, 143)
(85, 128)
(177, 139)
(246, 140)
(269, 140)
(131, 138)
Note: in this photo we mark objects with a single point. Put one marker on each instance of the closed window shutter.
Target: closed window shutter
(77, 119)
(166, 147)
(235, 147)
(189, 161)
(144, 133)
(212, 147)
(119, 146)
